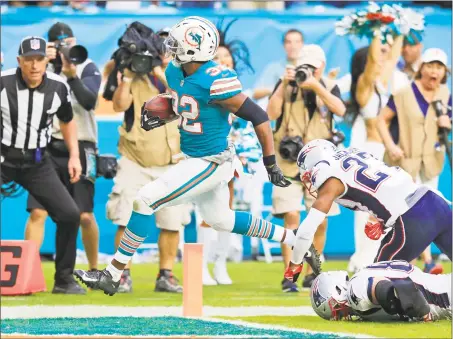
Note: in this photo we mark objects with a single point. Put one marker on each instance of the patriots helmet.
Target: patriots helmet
(311, 154)
(328, 295)
(192, 39)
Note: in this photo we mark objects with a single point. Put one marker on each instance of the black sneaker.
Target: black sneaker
(289, 287)
(314, 260)
(308, 280)
(70, 288)
(168, 283)
(93, 270)
(101, 280)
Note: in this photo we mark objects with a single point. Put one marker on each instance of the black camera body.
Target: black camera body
(290, 147)
(76, 54)
(134, 58)
(303, 72)
(138, 51)
(106, 166)
(337, 137)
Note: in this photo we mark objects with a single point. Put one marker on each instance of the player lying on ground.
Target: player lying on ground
(204, 93)
(383, 291)
(414, 214)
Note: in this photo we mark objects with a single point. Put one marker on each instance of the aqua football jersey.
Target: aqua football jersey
(204, 126)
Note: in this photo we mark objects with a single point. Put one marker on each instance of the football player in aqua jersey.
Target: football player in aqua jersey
(203, 94)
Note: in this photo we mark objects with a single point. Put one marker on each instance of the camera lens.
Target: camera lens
(301, 76)
(141, 63)
(303, 72)
(78, 54)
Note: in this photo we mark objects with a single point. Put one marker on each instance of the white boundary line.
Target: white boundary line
(283, 328)
(94, 311)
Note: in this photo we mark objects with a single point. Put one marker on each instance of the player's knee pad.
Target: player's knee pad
(385, 296)
(411, 298)
(150, 197)
(223, 221)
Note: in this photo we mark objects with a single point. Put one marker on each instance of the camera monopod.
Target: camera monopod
(443, 132)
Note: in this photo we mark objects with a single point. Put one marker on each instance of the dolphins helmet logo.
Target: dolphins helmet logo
(194, 37)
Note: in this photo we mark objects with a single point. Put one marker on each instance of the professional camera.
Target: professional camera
(138, 49)
(106, 166)
(337, 137)
(303, 72)
(76, 54)
(290, 147)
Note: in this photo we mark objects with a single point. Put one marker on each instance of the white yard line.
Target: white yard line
(283, 328)
(91, 311)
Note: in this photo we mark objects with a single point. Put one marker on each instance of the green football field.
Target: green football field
(255, 284)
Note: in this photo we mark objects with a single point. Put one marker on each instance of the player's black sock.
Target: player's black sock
(165, 273)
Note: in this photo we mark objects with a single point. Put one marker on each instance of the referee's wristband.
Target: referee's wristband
(269, 160)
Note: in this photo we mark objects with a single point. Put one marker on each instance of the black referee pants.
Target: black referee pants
(42, 181)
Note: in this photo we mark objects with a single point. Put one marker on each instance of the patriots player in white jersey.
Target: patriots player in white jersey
(413, 214)
(383, 291)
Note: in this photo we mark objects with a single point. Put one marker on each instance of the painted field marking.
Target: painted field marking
(92, 311)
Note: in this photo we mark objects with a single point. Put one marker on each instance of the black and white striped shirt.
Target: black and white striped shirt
(27, 114)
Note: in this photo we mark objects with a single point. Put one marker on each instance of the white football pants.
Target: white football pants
(193, 180)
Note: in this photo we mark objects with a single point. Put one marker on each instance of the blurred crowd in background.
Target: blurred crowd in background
(133, 4)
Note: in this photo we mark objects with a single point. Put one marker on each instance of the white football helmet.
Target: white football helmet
(192, 39)
(328, 295)
(311, 154)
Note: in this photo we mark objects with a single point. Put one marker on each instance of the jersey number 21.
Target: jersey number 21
(370, 181)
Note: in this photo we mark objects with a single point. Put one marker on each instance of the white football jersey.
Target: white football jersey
(370, 185)
(435, 288)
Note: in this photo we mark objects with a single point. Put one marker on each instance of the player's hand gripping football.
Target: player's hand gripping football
(157, 112)
(150, 122)
(276, 176)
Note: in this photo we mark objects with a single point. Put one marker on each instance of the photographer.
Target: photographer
(144, 155)
(30, 91)
(84, 81)
(422, 113)
(303, 104)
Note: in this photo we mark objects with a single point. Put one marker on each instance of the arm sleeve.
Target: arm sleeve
(226, 85)
(86, 89)
(391, 104)
(64, 112)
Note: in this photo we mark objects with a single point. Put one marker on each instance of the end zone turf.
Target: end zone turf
(152, 327)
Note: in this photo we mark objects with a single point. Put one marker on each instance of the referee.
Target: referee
(30, 97)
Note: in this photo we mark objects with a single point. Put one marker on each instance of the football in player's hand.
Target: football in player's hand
(159, 106)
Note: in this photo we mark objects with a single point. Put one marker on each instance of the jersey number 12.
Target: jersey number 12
(190, 113)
